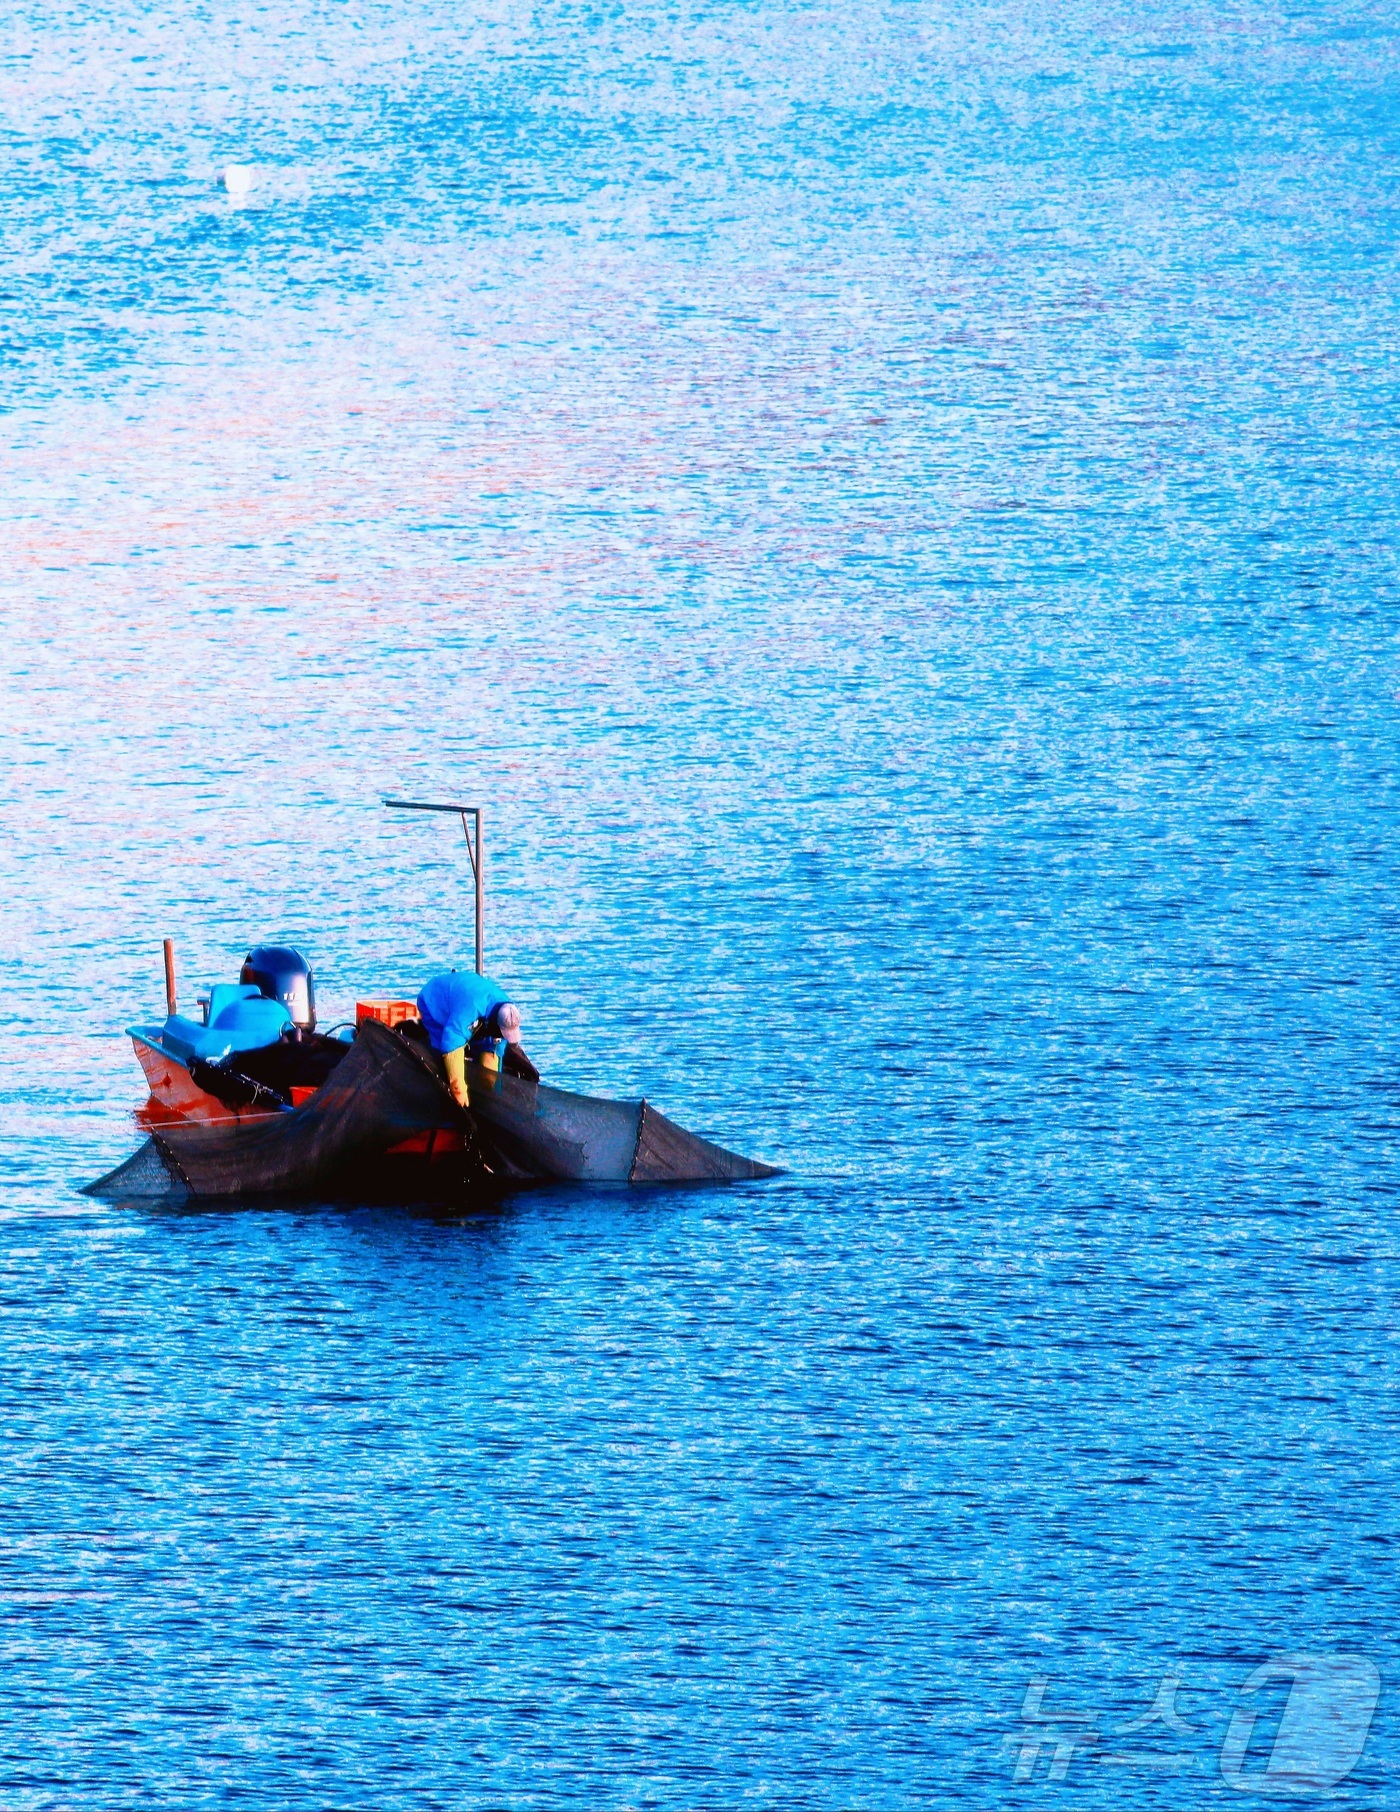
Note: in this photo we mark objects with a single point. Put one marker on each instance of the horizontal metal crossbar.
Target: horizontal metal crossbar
(424, 805)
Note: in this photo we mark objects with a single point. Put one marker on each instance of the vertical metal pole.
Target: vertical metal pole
(170, 977)
(474, 856)
(480, 899)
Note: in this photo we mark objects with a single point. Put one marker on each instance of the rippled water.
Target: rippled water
(892, 511)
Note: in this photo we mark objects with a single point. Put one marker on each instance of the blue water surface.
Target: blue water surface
(891, 510)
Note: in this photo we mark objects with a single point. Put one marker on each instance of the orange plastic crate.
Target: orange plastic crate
(299, 1093)
(387, 1012)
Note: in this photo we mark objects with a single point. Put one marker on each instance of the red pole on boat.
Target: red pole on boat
(170, 978)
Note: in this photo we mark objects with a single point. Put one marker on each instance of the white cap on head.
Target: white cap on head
(508, 1019)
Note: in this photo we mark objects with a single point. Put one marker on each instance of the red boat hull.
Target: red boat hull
(176, 1097)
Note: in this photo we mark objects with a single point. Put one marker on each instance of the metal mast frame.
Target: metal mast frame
(475, 855)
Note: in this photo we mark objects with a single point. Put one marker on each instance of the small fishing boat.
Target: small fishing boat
(250, 1099)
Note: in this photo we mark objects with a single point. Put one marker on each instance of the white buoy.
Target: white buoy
(238, 178)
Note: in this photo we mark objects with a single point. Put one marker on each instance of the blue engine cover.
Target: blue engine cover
(251, 1024)
(245, 1023)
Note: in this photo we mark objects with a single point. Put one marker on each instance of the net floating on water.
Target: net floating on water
(389, 1089)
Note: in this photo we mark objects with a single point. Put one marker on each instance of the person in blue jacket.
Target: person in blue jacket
(462, 1009)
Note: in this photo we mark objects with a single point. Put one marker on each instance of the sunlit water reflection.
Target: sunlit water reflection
(893, 515)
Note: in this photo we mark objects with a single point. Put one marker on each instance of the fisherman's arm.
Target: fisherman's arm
(455, 1063)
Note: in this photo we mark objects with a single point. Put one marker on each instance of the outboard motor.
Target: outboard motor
(285, 975)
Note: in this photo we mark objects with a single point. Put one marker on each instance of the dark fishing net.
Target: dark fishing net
(667, 1153)
(235, 1089)
(144, 1176)
(531, 1130)
(388, 1088)
(380, 1094)
(265, 1078)
(302, 1062)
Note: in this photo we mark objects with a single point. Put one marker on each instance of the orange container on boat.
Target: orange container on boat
(299, 1093)
(387, 1012)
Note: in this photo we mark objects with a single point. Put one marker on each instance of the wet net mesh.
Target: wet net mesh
(528, 1129)
(385, 1090)
(380, 1094)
